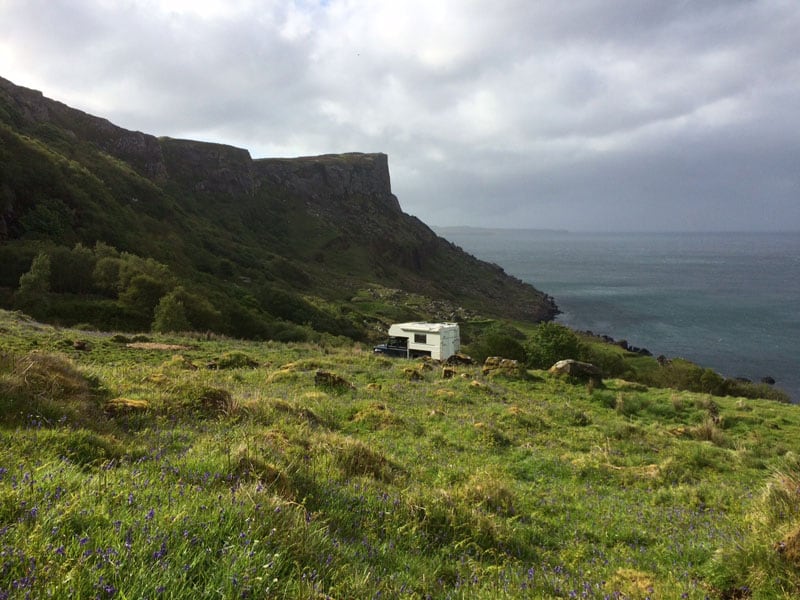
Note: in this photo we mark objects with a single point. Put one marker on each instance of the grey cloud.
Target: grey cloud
(586, 114)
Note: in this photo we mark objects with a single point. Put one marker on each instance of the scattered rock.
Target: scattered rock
(459, 359)
(448, 373)
(577, 369)
(81, 345)
(768, 380)
(497, 365)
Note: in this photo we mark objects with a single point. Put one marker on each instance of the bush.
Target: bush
(35, 284)
(549, 343)
(496, 342)
(72, 270)
(606, 358)
(200, 313)
(170, 315)
(142, 294)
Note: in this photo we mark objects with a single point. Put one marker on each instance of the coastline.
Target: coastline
(720, 300)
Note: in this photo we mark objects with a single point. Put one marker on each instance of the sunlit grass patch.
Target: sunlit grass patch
(527, 488)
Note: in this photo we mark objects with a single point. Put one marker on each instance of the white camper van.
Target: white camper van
(410, 340)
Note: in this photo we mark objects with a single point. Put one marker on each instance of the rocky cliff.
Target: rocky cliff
(331, 221)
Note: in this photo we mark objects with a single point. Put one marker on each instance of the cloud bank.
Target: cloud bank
(581, 115)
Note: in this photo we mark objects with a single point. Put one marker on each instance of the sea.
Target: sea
(728, 301)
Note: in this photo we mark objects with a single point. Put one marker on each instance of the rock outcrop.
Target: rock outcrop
(206, 167)
(577, 369)
(322, 180)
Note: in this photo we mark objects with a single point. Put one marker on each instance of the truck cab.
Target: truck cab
(394, 346)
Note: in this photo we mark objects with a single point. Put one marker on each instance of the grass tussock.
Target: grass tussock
(710, 430)
(356, 459)
(49, 388)
(768, 558)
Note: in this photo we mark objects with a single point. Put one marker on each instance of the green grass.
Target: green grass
(217, 468)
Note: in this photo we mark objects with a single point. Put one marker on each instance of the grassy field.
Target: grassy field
(186, 467)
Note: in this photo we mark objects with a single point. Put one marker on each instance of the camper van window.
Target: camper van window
(420, 338)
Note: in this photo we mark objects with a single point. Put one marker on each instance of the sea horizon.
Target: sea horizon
(479, 228)
(722, 299)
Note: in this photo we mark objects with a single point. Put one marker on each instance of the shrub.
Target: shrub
(143, 294)
(549, 343)
(496, 343)
(35, 284)
(170, 315)
(71, 270)
(200, 313)
(492, 338)
(606, 358)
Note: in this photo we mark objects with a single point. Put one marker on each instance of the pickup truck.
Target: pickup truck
(412, 340)
(394, 346)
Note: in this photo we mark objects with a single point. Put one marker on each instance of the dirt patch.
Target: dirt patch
(155, 346)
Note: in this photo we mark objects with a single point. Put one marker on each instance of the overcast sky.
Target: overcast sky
(582, 114)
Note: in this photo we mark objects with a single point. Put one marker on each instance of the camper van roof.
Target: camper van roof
(427, 327)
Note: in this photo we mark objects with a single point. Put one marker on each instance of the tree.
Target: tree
(106, 275)
(71, 270)
(35, 283)
(170, 315)
(200, 313)
(143, 293)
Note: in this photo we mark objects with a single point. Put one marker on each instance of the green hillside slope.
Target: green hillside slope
(281, 248)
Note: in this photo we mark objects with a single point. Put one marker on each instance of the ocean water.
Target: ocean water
(729, 301)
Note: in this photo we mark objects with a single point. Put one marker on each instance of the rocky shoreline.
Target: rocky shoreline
(662, 359)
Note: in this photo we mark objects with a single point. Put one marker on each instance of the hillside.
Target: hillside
(266, 248)
(189, 466)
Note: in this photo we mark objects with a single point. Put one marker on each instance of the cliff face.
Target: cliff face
(333, 217)
(330, 180)
(206, 167)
